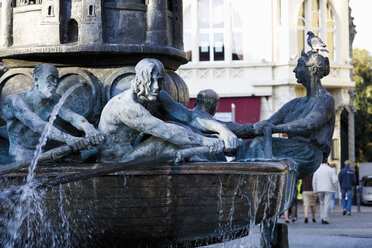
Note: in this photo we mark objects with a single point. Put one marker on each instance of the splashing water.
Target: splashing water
(46, 132)
(260, 197)
(27, 225)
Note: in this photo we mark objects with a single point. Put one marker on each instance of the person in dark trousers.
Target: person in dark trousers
(309, 198)
(347, 180)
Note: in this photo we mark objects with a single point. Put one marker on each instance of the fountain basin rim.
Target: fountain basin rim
(197, 168)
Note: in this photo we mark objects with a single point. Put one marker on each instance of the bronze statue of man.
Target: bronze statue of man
(27, 113)
(308, 121)
(134, 111)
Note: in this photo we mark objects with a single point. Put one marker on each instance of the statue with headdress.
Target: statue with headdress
(308, 121)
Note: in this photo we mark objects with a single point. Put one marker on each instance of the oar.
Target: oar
(136, 163)
(8, 168)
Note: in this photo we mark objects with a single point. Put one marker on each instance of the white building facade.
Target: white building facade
(246, 51)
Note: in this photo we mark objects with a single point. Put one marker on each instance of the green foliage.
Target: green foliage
(363, 103)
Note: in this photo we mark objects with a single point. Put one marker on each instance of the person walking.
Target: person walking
(293, 208)
(309, 198)
(333, 198)
(324, 183)
(347, 180)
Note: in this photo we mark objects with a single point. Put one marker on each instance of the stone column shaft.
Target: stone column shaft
(178, 24)
(157, 22)
(6, 22)
(351, 137)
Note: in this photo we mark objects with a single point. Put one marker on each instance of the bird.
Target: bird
(316, 43)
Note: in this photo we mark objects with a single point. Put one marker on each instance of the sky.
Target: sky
(361, 10)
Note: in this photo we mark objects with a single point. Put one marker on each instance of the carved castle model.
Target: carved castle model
(97, 42)
(35, 27)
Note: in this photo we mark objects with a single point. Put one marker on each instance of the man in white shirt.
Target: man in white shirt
(324, 184)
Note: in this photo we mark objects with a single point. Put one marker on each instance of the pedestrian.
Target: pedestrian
(333, 206)
(309, 198)
(324, 183)
(347, 180)
(293, 208)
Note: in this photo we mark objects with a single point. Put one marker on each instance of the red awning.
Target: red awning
(247, 109)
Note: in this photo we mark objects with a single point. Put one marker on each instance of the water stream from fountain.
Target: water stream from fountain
(260, 198)
(26, 225)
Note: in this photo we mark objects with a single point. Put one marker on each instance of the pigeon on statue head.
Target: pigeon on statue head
(316, 43)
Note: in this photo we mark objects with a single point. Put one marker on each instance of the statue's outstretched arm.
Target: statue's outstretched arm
(322, 112)
(275, 119)
(244, 131)
(202, 121)
(22, 111)
(135, 116)
(78, 121)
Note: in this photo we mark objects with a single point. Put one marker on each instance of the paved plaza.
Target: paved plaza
(353, 231)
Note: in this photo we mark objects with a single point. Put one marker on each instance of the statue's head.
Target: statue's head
(311, 64)
(46, 79)
(207, 100)
(149, 79)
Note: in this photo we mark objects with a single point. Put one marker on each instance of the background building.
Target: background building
(246, 50)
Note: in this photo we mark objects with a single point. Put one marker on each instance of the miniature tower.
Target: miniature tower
(92, 41)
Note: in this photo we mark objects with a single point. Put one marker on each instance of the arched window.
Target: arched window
(331, 30)
(213, 30)
(72, 31)
(316, 16)
(301, 27)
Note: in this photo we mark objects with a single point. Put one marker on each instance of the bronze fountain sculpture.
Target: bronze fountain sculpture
(126, 162)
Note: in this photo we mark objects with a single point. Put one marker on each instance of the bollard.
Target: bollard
(358, 196)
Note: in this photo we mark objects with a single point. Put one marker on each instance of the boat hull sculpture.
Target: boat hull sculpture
(187, 204)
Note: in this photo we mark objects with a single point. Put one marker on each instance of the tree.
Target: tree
(363, 103)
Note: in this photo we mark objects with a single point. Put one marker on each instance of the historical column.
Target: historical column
(178, 24)
(157, 22)
(351, 128)
(5, 23)
(351, 109)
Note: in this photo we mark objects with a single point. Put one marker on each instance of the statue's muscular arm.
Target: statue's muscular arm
(22, 111)
(78, 121)
(135, 116)
(197, 119)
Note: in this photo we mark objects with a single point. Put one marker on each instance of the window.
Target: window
(169, 5)
(316, 16)
(50, 11)
(331, 29)
(91, 10)
(213, 30)
(301, 26)
(19, 3)
(368, 182)
(236, 34)
(72, 31)
(187, 31)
